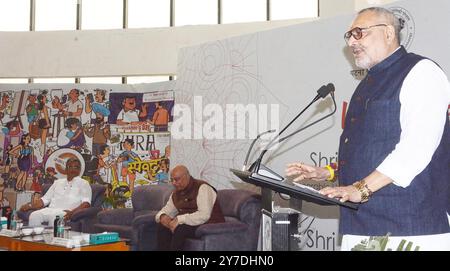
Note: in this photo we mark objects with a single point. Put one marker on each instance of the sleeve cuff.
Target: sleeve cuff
(88, 200)
(181, 219)
(157, 216)
(398, 178)
(45, 201)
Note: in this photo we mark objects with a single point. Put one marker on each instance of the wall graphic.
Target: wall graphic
(121, 133)
(223, 73)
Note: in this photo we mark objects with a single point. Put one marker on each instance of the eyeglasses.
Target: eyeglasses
(176, 179)
(357, 32)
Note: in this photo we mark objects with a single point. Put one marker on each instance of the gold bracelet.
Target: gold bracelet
(364, 190)
(331, 170)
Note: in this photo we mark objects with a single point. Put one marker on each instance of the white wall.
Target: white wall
(330, 8)
(151, 51)
(360, 4)
(125, 52)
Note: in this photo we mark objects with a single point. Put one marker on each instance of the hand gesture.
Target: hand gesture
(25, 207)
(344, 193)
(301, 172)
(68, 214)
(16, 154)
(173, 224)
(165, 220)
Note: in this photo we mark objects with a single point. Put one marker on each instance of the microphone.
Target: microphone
(324, 91)
(253, 143)
(321, 93)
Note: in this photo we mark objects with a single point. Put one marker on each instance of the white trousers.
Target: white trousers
(44, 215)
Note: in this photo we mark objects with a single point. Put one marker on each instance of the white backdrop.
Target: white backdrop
(286, 66)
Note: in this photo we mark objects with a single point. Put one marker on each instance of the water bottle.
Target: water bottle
(61, 226)
(4, 222)
(13, 223)
(55, 226)
(8, 218)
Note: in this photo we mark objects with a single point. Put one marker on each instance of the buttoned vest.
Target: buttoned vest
(186, 201)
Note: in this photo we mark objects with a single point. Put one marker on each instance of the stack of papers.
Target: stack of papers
(9, 233)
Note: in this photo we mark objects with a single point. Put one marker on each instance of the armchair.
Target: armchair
(137, 223)
(240, 231)
(83, 220)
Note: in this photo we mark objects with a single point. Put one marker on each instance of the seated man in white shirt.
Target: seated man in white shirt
(192, 204)
(63, 198)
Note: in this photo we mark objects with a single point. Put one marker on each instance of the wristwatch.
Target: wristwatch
(364, 190)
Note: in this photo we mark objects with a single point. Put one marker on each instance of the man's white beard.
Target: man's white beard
(363, 63)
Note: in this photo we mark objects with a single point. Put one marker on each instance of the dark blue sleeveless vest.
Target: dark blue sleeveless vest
(372, 129)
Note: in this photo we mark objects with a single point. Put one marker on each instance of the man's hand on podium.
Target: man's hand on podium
(302, 171)
(344, 193)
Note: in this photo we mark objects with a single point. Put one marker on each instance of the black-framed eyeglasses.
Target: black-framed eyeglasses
(176, 179)
(357, 32)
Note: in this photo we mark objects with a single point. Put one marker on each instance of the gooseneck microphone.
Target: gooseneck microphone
(331, 88)
(321, 93)
(251, 146)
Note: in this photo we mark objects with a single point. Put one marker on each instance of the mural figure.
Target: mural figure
(126, 157)
(160, 118)
(24, 154)
(129, 115)
(98, 107)
(100, 133)
(44, 119)
(73, 108)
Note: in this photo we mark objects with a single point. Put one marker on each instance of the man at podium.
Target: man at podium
(394, 150)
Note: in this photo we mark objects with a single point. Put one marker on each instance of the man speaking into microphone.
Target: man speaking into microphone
(394, 151)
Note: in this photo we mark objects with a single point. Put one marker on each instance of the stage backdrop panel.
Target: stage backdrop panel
(285, 67)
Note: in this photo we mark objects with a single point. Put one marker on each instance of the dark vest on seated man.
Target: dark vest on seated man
(186, 201)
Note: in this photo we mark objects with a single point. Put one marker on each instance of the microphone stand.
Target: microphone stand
(311, 124)
(322, 92)
(251, 147)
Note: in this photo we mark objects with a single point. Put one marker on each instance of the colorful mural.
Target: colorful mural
(121, 137)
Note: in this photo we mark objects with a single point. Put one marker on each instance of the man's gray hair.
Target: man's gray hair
(389, 16)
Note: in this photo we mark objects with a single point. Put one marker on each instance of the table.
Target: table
(42, 242)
